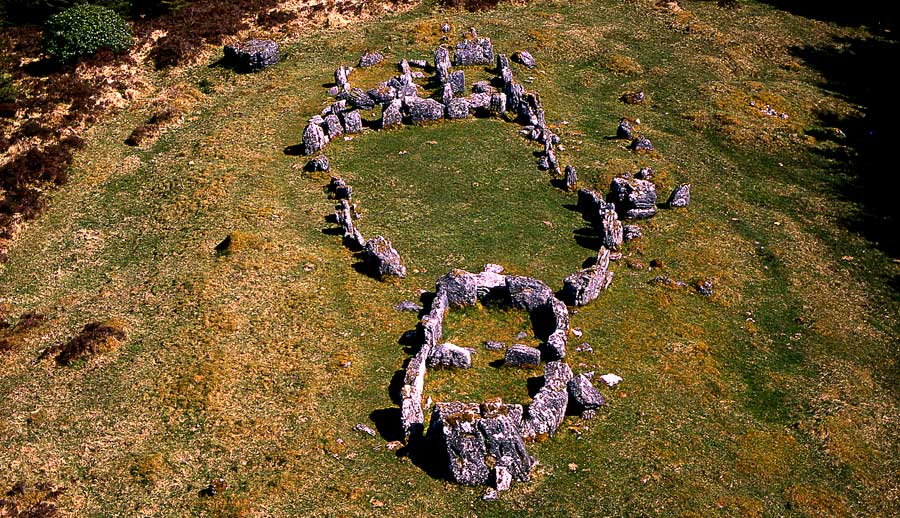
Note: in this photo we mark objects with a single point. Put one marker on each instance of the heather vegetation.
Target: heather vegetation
(184, 332)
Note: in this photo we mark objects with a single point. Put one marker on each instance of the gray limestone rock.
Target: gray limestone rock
(634, 198)
(527, 293)
(630, 232)
(584, 286)
(479, 101)
(457, 81)
(476, 444)
(589, 203)
(381, 259)
(557, 374)
(493, 345)
(358, 99)
(498, 103)
(352, 121)
(483, 87)
(351, 234)
(408, 306)
(525, 58)
(252, 55)
(546, 412)
(391, 114)
(681, 196)
(382, 93)
(502, 62)
(338, 188)
(532, 111)
(418, 63)
(333, 126)
(313, 138)
(447, 94)
(502, 478)
(477, 51)
(450, 356)
(571, 179)
(460, 287)
(519, 355)
(370, 59)
(625, 130)
(705, 288)
(555, 346)
(457, 109)
(421, 110)
(584, 395)
(342, 77)
(611, 232)
(515, 96)
(641, 144)
(442, 63)
(645, 173)
(320, 163)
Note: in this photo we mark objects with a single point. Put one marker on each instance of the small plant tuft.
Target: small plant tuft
(84, 29)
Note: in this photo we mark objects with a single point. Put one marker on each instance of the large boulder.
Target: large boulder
(460, 288)
(546, 412)
(478, 51)
(457, 81)
(450, 356)
(525, 58)
(333, 126)
(381, 259)
(421, 110)
(382, 93)
(342, 77)
(457, 109)
(589, 203)
(557, 375)
(634, 198)
(476, 443)
(527, 293)
(252, 55)
(352, 121)
(442, 63)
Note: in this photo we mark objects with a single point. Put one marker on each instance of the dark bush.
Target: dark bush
(93, 339)
(37, 11)
(8, 91)
(471, 5)
(84, 29)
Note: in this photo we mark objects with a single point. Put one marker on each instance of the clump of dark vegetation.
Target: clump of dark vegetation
(11, 334)
(22, 501)
(151, 128)
(84, 29)
(471, 5)
(94, 338)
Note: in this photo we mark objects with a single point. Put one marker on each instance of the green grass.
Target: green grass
(774, 397)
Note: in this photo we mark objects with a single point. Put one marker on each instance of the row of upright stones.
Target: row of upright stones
(485, 443)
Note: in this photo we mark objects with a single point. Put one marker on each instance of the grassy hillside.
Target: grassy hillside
(776, 396)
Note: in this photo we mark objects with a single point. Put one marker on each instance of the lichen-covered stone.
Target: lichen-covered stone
(442, 63)
(498, 103)
(641, 144)
(583, 394)
(571, 178)
(527, 293)
(450, 356)
(460, 288)
(479, 101)
(352, 121)
(483, 87)
(252, 55)
(457, 109)
(634, 198)
(554, 348)
(589, 203)
(478, 51)
(625, 130)
(382, 93)
(333, 126)
(358, 99)
(381, 259)
(457, 81)
(557, 374)
(519, 355)
(611, 232)
(525, 58)
(313, 138)
(320, 163)
(681, 196)
(421, 110)
(546, 412)
(584, 286)
(631, 232)
(392, 114)
(342, 77)
(351, 235)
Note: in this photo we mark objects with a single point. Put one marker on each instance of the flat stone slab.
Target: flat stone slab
(252, 54)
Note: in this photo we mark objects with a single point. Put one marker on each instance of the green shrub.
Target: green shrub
(8, 90)
(37, 11)
(84, 29)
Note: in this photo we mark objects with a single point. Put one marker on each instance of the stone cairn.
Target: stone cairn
(484, 444)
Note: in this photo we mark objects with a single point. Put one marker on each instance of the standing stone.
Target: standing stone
(681, 196)
(460, 287)
(442, 63)
(502, 62)
(313, 138)
(631, 232)
(525, 58)
(351, 235)
(337, 187)
(584, 395)
(342, 77)
(333, 126)
(527, 293)
(518, 355)
(584, 286)
(515, 96)
(589, 203)
(557, 374)
(370, 59)
(447, 94)
(546, 412)
(457, 81)
(381, 259)
(391, 114)
(421, 110)
(320, 163)
(532, 111)
(571, 178)
(451, 356)
(252, 55)
(358, 98)
(404, 67)
(457, 109)
(498, 103)
(634, 198)
(555, 346)
(483, 87)
(352, 121)
(478, 51)
(611, 232)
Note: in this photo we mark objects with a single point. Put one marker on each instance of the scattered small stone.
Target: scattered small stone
(705, 288)
(631, 232)
(490, 494)
(215, 487)
(525, 58)
(584, 347)
(587, 415)
(519, 355)
(320, 163)
(394, 445)
(445, 28)
(577, 332)
(681, 196)
(493, 345)
(252, 55)
(521, 335)
(611, 380)
(408, 306)
(657, 263)
(625, 130)
(502, 478)
(370, 59)
(476, 51)
(571, 178)
(633, 98)
(450, 356)
(665, 280)
(364, 429)
(645, 173)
